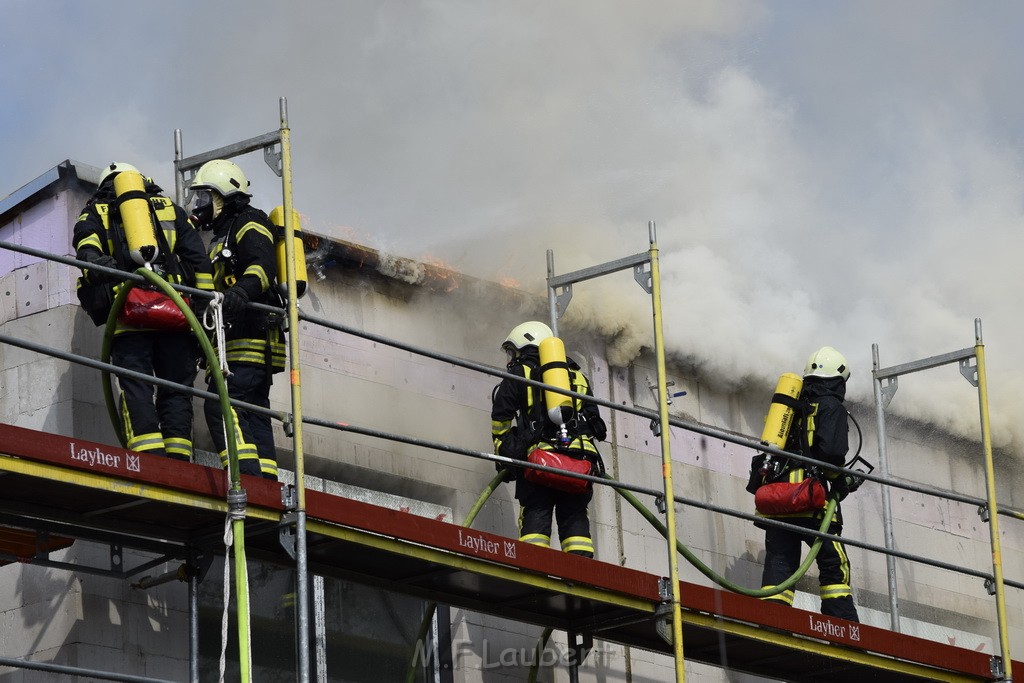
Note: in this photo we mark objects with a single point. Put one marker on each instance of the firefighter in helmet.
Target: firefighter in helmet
(820, 431)
(176, 252)
(524, 404)
(244, 264)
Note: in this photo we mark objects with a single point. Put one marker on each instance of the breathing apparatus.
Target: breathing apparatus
(298, 254)
(208, 205)
(136, 217)
(554, 369)
(780, 418)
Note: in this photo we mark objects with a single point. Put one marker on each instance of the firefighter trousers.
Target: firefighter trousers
(538, 504)
(254, 437)
(782, 557)
(162, 426)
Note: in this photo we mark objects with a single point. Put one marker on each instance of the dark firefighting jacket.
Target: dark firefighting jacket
(524, 403)
(242, 251)
(99, 229)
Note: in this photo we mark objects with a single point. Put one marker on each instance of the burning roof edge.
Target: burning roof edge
(322, 250)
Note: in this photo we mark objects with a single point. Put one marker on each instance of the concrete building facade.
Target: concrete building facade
(76, 618)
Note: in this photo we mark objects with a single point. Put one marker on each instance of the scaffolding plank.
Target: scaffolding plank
(87, 489)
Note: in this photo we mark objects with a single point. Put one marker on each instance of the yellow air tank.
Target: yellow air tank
(780, 415)
(136, 216)
(555, 371)
(299, 252)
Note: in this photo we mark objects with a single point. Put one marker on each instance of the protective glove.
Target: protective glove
(514, 444)
(234, 303)
(844, 485)
(104, 260)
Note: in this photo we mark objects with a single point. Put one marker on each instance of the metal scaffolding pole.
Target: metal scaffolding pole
(882, 397)
(302, 571)
(279, 161)
(559, 296)
(975, 374)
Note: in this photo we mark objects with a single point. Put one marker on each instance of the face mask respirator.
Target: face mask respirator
(206, 208)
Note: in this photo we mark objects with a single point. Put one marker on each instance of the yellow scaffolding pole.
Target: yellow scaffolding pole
(295, 378)
(666, 462)
(993, 508)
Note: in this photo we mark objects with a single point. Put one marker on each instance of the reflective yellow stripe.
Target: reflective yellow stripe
(246, 357)
(835, 590)
(583, 443)
(245, 452)
(92, 240)
(261, 229)
(268, 466)
(204, 281)
(811, 426)
(177, 446)
(784, 596)
(578, 543)
(146, 442)
(536, 539)
(844, 561)
(258, 271)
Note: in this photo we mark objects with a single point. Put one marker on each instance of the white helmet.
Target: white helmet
(827, 362)
(221, 175)
(112, 169)
(530, 333)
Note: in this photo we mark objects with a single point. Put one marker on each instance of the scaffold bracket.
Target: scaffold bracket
(983, 513)
(659, 503)
(996, 664)
(563, 295)
(642, 275)
(663, 618)
(969, 371)
(889, 386)
(286, 534)
(272, 155)
(289, 498)
(990, 586)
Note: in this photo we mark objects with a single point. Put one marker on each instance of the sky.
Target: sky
(818, 173)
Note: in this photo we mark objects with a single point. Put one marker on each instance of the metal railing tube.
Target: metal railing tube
(77, 671)
(706, 430)
(887, 526)
(723, 435)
